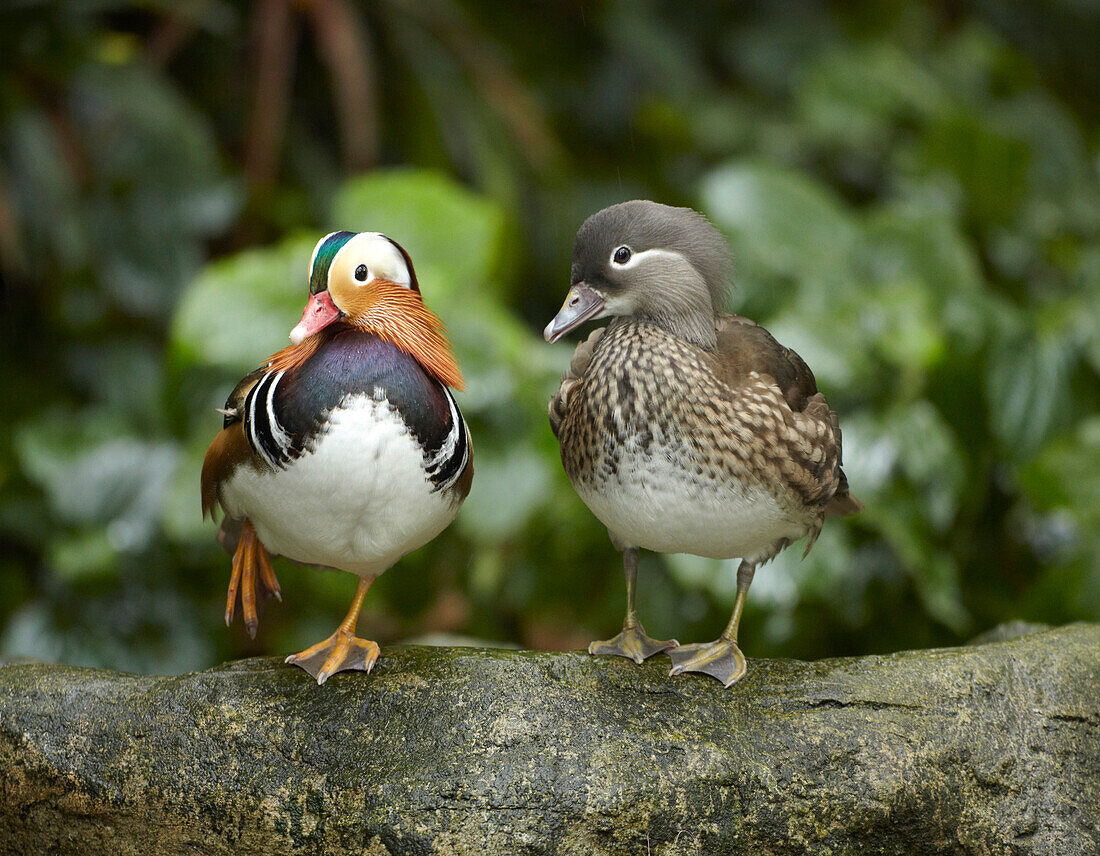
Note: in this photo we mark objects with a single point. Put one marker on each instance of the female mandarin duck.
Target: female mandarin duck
(347, 449)
(684, 429)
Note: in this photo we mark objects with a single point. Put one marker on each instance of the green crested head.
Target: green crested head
(323, 254)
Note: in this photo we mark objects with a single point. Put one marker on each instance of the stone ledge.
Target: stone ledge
(984, 749)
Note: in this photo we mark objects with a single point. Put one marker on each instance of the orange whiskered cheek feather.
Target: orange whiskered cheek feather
(398, 315)
(293, 356)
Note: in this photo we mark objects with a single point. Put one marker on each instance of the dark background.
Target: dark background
(910, 190)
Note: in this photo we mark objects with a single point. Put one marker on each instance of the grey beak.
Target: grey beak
(581, 303)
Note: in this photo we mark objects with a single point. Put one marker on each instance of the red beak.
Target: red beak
(319, 313)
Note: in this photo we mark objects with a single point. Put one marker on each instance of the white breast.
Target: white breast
(359, 501)
(654, 504)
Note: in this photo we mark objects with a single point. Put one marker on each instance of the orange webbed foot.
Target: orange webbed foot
(343, 650)
(251, 556)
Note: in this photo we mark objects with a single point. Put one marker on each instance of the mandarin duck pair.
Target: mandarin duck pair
(682, 428)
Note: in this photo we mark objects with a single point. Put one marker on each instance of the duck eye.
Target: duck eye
(622, 256)
(361, 273)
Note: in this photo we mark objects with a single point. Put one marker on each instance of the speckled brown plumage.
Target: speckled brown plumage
(686, 430)
(722, 415)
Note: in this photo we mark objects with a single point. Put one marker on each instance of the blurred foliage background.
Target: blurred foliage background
(910, 188)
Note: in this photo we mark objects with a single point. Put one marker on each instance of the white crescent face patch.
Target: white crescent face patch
(377, 253)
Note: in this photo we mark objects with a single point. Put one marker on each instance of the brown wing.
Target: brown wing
(230, 447)
(578, 365)
(744, 347)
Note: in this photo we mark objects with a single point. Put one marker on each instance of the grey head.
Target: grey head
(667, 265)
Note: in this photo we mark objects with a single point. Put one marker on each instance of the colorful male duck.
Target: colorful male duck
(347, 449)
(684, 429)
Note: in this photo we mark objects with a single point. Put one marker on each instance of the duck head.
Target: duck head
(667, 265)
(347, 272)
(366, 281)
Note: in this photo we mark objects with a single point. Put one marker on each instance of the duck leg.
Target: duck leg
(632, 642)
(250, 556)
(720, 659)
(343, 650)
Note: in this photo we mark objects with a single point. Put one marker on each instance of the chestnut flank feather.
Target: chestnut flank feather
(230, 448)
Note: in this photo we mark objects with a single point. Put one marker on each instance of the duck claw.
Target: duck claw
(249, 557)
(721, 659)
(632, 643)
(341, 652)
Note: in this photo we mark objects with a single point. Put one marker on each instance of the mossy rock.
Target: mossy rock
(989, 749)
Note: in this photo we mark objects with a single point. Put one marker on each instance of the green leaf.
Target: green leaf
(1064, 191)
(857, 95)
(935, 572)
(930, 457)
(1065, 475)
(180, 517)
(990, 162)
(454, 236)
(902, 326)
(240, 310)
(928, 256)
(156, 184)
(46, 190)
(508, 489)
(1088, 315)
(94, 476)
(1028, 388)
(90, 553)
(124, 374)
(717, 577)
(781, 224)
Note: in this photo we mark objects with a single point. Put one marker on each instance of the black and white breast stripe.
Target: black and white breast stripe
(447, 463)
(266, 436)
(279, 442)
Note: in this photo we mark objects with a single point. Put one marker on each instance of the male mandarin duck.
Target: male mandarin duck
(347, 449)
(682, 428)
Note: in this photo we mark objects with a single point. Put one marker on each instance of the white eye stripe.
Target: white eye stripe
(381, 257)
(637, 258)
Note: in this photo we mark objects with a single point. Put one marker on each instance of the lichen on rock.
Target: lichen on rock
(991, 748)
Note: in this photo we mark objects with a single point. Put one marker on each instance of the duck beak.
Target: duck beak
(581, 303)
(319, 313)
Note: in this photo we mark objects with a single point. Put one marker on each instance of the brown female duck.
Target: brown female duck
(685, 429)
